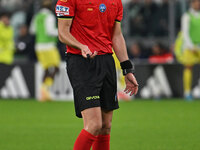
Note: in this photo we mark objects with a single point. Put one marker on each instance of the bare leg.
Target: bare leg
(107, 122)
(92, 119)
(103, 139)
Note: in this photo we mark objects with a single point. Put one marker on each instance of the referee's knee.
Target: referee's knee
(106, 128)
(94, 127)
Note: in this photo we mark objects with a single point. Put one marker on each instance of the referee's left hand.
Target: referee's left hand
(131, 84)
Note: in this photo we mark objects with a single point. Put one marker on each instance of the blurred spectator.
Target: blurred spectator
(11, 5)
(32, 7)
(136, 22)
(162, 17)
(149, 12)
(148, 18)
(6, 40)
(178, 14)
(18, 19)
(137, 52)
(25, 43)
(160, 55)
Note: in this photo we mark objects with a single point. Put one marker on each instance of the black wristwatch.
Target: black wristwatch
(127, 67)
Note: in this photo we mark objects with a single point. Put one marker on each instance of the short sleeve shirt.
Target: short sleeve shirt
(93, 22)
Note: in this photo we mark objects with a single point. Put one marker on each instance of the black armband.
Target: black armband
(127, 67)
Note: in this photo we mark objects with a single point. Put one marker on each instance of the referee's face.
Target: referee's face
(196, 5)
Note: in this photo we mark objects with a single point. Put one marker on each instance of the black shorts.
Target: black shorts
(93, 81)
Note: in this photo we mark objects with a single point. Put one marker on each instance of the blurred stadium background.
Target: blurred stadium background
(156, 119)
(150, 29)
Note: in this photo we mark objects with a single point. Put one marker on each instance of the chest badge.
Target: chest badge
(102, 8)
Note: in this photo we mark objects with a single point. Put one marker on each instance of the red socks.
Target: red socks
(84, 141)
(102, 143)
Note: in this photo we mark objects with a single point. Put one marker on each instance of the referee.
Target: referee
(90, 29)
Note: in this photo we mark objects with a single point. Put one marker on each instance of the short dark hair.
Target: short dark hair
(5, 14)
(47, 4)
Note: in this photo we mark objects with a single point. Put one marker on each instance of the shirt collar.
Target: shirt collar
(194, 12)
(45, 10)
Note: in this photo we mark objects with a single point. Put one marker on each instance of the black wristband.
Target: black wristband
(127, 67)
(126, 64)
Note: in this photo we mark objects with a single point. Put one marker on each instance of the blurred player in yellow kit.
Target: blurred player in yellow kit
(6, 40)
(187, 45)
(44, 27)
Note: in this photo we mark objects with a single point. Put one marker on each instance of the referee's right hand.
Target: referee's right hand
(86, 51)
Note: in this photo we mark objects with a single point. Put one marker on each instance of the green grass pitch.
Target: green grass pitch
(137, 125)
